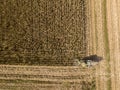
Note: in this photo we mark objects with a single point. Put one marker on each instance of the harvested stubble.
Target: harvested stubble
(33, 77)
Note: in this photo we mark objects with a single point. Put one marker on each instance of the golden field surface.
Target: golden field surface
(99, 36)
(104, 27)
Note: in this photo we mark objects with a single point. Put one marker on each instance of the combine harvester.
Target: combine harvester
(88, 61)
